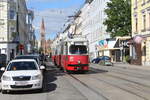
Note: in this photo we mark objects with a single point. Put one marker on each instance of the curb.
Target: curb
(132, 66)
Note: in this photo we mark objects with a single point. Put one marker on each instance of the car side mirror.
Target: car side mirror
(2, 69)
(42, 67)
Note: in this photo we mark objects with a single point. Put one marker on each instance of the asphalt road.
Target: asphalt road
(100, 83)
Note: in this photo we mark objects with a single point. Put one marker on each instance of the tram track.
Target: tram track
(118, 77)
(122, 88)
(87, 86)
(138, 80)
(128, 90)
(131, 92)
(110, 84)
(123, 71)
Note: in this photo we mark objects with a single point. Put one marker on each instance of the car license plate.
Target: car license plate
(21, 83)
(108, 63)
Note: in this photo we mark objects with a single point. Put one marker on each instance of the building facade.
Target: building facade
(22, 13)
(140, 48)
(13, 27)
(48, 47)
(8, 28)
(31, 32)
(92, 17)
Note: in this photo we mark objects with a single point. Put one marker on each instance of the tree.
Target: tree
(118, 19)
(40, 50)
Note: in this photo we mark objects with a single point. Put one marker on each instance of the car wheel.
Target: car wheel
(41, 89)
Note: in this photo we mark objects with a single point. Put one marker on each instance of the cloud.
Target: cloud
(54, 19)
(54, 12)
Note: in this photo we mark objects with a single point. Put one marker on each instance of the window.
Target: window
(144, 22)
(12, 14)
(2, 22)
(135, 4)
(143, 3)
(149, 21)
(136, 24)
(78, 49)
(26, 65)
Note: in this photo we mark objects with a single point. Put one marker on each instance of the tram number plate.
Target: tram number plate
(78, 68)
(21, 83)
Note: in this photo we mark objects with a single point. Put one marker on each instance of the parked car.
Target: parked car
(106, 61)
(47, 57)
(35, 57)
(96, 60)
(3, 60)
(22, 74)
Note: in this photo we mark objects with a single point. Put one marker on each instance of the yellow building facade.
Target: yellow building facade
(140, 52)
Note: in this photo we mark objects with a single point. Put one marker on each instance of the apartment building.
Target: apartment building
(13, 27)
(91, 23)
(140, 50)
(31, 32)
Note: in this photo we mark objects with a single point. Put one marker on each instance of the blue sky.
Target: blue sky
(54, 12)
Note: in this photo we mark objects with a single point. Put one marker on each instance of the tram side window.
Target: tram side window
(56, 52)
(78, 49)
(62, 49)
(66, 49)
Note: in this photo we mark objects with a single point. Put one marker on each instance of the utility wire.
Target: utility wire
(49, 17)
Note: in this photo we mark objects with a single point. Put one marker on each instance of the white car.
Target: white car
(23, 74)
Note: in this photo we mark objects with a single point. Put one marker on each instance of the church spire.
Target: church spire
(43, 41)
(42, 27)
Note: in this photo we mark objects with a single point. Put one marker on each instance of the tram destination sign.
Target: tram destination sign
(78, 43)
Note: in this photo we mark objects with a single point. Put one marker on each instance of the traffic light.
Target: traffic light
(21, 47)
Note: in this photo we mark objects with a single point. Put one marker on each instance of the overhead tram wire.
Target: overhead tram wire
(22, 13)
(138, 3)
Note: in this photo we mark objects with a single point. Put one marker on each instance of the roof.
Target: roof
(77, 37)
(22, 60)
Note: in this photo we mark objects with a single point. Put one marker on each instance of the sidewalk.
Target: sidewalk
(126, 65)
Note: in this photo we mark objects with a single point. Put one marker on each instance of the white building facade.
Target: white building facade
(7, 28)
(31, 32)
(13, 28)
(93, 16)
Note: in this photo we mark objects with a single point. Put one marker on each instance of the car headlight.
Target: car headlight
(36, 77)
(6, 78)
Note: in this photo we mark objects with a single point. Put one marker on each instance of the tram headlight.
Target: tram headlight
(79, 62)
(71, 59)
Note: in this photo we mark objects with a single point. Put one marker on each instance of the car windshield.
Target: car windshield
(78, 49)
(23, 65)
(106, 58)
(28, 57)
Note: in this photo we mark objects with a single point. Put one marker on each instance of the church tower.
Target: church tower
(43, 41)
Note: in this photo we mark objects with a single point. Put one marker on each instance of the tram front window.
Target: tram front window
(78, 49)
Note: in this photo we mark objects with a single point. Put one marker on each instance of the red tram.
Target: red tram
(71, 54)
